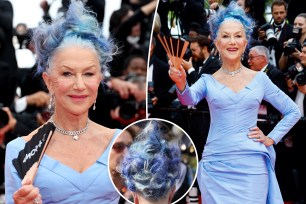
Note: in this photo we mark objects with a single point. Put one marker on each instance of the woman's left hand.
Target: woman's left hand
(258, 136)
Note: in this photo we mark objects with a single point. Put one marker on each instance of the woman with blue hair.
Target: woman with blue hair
(72, 55)
(237, 164)
(152, 166)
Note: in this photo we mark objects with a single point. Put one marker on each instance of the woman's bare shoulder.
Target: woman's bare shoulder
(248, 74)
(105, 131)
(250, 71)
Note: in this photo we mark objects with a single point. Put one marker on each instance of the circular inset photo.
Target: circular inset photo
(153, 161)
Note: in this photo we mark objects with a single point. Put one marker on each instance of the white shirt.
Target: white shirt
(299, 99)
(150, 73)
(263, 69)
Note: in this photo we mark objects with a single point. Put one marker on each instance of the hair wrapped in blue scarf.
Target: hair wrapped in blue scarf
(77, 27)
(232, 12)
(152, 164)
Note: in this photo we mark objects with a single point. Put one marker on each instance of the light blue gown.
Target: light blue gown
(59, 183)
(235, 169)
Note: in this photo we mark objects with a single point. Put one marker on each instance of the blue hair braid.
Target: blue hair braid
(151, 165)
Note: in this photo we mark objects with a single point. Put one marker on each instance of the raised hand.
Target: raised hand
(178, 75)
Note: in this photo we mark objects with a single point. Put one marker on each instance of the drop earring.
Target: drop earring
(94, 106)
(51, 102)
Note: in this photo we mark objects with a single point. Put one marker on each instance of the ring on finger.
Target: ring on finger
(37, 201)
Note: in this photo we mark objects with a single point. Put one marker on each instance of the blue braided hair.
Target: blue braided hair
(77, 27)
(232, 12)
(151, 165)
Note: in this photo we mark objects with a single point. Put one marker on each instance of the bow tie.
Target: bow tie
(277, 28)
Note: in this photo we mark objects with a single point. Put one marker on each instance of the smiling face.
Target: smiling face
(231, 40)
(74, 77)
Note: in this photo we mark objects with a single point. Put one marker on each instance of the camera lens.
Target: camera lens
(271, 37)
(128, 110)
(300, 79)
(208, 12)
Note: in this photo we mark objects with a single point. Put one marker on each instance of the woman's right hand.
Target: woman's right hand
(27, 194)
(178, 75)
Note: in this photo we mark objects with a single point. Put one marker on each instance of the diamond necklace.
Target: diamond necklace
(231, 73)
(75, 134)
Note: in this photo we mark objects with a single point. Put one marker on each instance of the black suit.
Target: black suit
(6, 96)
(162, 84)
(299, 144)
(211, 65)
(7, 54)
(277, 77)
(285, 35)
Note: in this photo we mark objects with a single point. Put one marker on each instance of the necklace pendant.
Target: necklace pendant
(75, 137)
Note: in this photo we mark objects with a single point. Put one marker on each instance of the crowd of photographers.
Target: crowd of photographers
(277, 47)
(122, 96)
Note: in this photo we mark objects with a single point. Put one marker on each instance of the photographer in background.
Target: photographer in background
(134, 108)
(281, 31)
(292, 47)
(296, 81)
(115, 94)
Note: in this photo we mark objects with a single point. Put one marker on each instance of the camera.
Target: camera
(127, 107)
(209, 12)
(295, 44)
(4, 118)
(297, 73)
(269, 33)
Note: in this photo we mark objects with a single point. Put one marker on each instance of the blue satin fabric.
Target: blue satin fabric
(59, 183)
(236, 169)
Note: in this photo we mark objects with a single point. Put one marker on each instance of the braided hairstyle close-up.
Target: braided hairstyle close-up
(151, 166)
